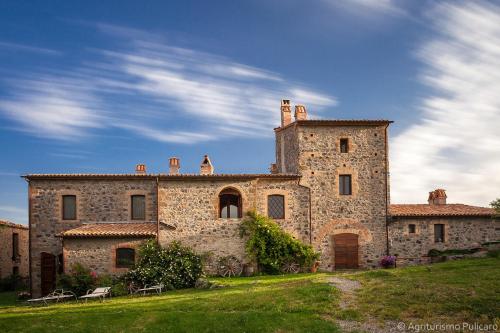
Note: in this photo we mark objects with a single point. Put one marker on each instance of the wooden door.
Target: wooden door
(346, 250)
(48, 276)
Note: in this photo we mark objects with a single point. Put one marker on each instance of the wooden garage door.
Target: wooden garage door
(346, 250)
(48, 277)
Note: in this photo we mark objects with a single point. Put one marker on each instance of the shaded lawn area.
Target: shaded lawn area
(8, 298)
(297, 303)
(455, 292)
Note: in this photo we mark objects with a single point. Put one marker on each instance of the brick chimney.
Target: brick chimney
(174, 166)
(286, 112)
(206, 167)
(437, 197)
(273, 168)
(140, 169)
(300, 112)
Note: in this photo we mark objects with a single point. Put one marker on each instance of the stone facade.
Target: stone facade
(10, 263)
(459, 232)
(312, 149)
(311, 156)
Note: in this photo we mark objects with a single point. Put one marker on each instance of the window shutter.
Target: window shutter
(69, 207)
(138, 207)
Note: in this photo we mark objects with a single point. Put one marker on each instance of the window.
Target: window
(69, 207)
(345, 185)
(15, 246)
(230, 204)
(125, 258)
(411, 228)
(344, 145)
(15, 271)
(138, 207)
(438, 233)
(276, 206)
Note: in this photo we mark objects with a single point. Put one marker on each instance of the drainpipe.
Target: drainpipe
(386, 191)
(157, 210)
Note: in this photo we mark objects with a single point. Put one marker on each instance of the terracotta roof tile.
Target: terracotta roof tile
(13, 225)
(161, 176)
(125, 229)
(439, 210)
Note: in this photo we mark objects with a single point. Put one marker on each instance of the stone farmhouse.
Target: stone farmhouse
(328, 187)
(13, 249)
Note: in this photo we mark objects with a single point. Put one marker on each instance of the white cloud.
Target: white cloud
(369, 8)
(456, 144)
(27, 48)
(156, 90)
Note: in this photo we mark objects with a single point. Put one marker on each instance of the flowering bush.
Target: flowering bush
(388, 261)
(79, 281)
(273, 248)
(175, 266)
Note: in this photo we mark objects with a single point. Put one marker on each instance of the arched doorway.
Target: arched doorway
(230, 204)
(345, 247)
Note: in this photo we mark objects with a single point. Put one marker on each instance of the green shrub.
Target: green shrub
(175, 266)
(12, 283)
(451, 252)
(79, 281)
(272, 247)
(493, 254)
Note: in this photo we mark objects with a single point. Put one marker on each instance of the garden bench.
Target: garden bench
(156, 288)
(56, 295)
(100, 293)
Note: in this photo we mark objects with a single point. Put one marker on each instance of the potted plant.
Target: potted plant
(388, 261)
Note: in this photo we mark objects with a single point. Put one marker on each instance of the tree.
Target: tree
(495, 204)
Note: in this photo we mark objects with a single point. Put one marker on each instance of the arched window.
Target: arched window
(230, 204)
(125, 258)
(276, 206)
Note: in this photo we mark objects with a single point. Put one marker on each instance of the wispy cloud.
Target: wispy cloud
(6, 46)
(456, 145)
(369, 8)
(156, 90)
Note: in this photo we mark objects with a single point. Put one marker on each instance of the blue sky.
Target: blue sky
(99, 86)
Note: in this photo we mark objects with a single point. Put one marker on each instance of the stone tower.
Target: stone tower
(344, 164)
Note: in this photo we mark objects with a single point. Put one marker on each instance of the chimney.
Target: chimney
(174, 166)
(286, 112)
(140, 169)
(300, 112)
(273, 168)
(437, 197)
(206, 167)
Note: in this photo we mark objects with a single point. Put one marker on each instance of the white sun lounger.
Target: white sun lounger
(100, 293)
(56, 295)
(156, 288)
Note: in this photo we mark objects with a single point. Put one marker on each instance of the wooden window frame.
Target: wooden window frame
(342, 190)
(282, 217)
(118, 265)
(443, 231)
(412, 228)
(63, 205)
(230, 192)
(132, 207)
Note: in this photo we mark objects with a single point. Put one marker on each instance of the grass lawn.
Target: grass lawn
(460, 290)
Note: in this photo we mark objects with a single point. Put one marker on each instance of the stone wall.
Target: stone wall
(98, 254)
(192, 208)
(320, 162)
(7, 263)
(98, 200)
(460, 233)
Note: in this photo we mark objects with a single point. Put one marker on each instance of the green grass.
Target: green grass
(455, 291)
(465, 290)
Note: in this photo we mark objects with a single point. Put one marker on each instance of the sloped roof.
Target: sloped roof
(161, 176)
(126, 229)
(439, 210)
(13, 225)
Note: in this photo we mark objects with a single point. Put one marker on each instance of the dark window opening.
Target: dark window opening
(15, 271)
(411, 228)
(345, 185)
(276, 206)
(15, 246)
(438, 233)
(344, 145)
(138, 207)
(69, 207)
(230, 204)
(125, 258)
